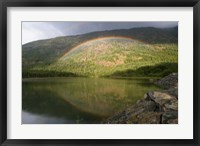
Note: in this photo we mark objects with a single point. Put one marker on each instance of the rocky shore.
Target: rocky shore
(157, 107)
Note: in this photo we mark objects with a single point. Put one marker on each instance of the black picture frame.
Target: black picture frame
(4, 4)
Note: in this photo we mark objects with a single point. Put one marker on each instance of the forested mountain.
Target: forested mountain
(123, 52)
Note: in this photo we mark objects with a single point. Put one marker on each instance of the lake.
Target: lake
(78, 100)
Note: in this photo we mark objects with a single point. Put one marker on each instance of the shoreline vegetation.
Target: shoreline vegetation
(157, 107)
(159, 70)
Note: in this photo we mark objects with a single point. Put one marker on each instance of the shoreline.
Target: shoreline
(138, 77)
(156, 107)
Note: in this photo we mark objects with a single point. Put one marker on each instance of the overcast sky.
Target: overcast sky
(32, 31)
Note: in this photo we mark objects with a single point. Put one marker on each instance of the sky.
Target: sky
(32, 31)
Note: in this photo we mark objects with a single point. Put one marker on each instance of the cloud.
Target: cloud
(32, 31)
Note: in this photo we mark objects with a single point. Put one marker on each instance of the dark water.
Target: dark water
(78, 100)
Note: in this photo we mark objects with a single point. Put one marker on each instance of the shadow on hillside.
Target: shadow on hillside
(159, 70)
(44, 73)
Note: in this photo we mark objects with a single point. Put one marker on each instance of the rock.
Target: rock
(144, 106)
(163, 100)
(170, 81)
(172, 121)
(173, 91)
(147, 97)
(149, 118)
(172, 105)
(146, 118)
(132, 112)
(150, 106)
(168, 117)
(157, 107)
(160, 97)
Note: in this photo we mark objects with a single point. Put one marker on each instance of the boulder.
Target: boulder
(149, 118)
(132, 112)
(169, 117)
(172, 121)
(170, 81)
(159, 97)
(157, 107)
(172, 105)
(173, 91)
(146, 118)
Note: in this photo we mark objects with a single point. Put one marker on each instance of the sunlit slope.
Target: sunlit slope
(106, 56)
(103, 53)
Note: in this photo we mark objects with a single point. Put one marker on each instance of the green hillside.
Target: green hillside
(129, 52)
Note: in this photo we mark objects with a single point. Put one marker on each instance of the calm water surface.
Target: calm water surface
(78, 100)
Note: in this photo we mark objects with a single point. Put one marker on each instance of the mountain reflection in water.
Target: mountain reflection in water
(78, 100)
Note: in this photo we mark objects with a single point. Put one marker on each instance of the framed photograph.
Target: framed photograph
(99, 72)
